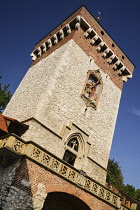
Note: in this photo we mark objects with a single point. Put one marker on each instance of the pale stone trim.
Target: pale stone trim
(95, 38)
(61, 34)
(134, 206)
(88, 32)
(78, 20)
(81, 150)
(110, 60)
(100, 47)
(46, 126)
(39, 197)
(68, 29)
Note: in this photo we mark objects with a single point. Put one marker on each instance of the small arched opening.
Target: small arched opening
(74, 149)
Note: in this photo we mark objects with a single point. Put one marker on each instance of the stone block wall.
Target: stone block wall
(6, 177)
(51, 93)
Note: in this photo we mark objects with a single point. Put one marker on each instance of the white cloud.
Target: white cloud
(134, 111)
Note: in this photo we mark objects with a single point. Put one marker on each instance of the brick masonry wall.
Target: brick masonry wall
(97, 56)
(41, 182)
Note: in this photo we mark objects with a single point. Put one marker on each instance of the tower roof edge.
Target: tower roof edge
(92, 29)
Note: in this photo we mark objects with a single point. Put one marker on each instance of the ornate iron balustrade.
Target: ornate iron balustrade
(32, 150)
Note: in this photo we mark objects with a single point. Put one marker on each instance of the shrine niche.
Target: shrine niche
(92, 88)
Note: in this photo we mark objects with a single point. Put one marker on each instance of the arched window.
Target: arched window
(73, 149)
(73, 143)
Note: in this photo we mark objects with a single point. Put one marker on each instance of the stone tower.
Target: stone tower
(69, 100)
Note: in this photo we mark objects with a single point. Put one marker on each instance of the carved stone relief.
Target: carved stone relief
(39, 197)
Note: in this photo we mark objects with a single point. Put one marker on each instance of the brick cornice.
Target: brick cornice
(82, 27)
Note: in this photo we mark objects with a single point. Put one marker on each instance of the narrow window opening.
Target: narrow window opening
(71, 151)
(69, 157)
(102, 32)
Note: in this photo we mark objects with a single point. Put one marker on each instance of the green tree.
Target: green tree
(5, 96)
(137, 195)
(130, 191)
(114, 174)
(115, 177)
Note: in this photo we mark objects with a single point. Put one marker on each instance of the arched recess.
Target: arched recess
(72, 190)
(64, 201)
(74, 149)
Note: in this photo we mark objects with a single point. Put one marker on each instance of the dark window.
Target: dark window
(69, 157)
(73, 143)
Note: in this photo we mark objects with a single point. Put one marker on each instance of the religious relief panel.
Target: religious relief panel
(92, 88)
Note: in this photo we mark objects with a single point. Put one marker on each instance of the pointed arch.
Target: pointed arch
(74, 148)
(81, 143)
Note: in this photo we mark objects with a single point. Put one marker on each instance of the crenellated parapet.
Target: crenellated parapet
(96, 41)
(58, 36)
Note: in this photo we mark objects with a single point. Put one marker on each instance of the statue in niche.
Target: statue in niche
(92, 88)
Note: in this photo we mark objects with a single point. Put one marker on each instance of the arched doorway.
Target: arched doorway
(63, 201)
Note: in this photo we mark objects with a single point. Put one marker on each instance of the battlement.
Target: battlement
(84, 29)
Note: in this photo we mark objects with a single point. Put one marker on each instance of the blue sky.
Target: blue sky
(24, 22)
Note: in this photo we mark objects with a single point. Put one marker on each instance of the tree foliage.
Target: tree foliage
(5, 96)
(129, 190)
(137, 195)
(115, 177)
